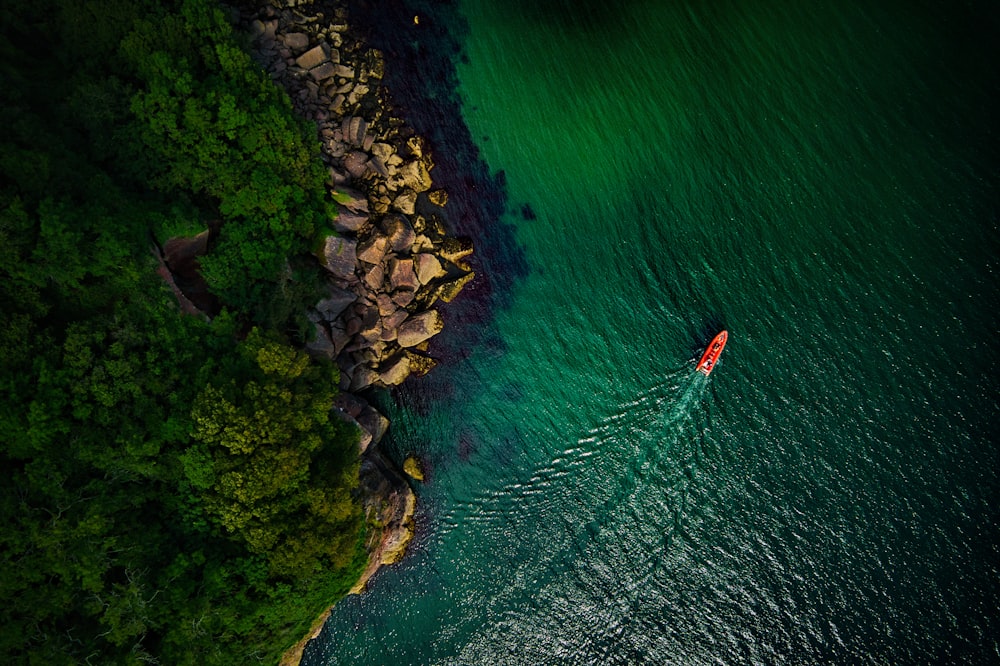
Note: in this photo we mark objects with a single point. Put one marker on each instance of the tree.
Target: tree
(265, 437)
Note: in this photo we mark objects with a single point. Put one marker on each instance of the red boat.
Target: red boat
(711, 355)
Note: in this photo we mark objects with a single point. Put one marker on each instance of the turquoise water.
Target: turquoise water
(820, 181)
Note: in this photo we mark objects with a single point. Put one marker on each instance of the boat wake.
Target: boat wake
(649, 444)
(619, 494)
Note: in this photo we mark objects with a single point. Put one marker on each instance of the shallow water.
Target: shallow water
(822, 182)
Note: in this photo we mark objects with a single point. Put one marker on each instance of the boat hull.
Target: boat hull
(711, 356)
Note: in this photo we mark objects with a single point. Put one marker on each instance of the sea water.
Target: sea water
(820, 179)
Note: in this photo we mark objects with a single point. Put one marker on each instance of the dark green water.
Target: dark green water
(821, 180)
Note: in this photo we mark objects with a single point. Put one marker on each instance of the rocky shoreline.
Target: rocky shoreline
(389, 260)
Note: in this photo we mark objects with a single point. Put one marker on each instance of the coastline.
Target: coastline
(389, 258)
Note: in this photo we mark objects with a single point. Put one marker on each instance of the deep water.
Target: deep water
(821, 179)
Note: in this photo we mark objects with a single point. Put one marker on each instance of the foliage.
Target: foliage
(171, 492)
(267, 450)
(222, 129)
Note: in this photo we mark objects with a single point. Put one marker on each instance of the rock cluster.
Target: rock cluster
(390, 259)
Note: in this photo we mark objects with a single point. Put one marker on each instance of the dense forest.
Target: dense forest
(175, 488)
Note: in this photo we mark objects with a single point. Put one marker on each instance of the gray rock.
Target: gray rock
(339, 256)
(321, 72)
(373, 250)
(377, 165)
(256, 29)
(403, 298)
(356, 163)
(374, 423)
(351, 404)
(375, 277)
(362, 378)
(321, 344)
(296, 40)
(349, 221)
(385, 306)
(338, 301)
(415, 176)
(406, 202)
(399, 231)
(337, 177)
(373, 331)
(428, 267)
(393, 321)
(339, 336)
(419, 327)
(402, 276)
(396, 371)
(423, 244)
(313, 57)
(351, 131)
(382, 151)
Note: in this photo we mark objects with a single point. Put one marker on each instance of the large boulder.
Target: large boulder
(396, 371)
(375, 277)
(406, 203)
(362, 378)
(321, 344)
(296, 41)
(374, 423)
(382, 151)
(428, 267)
(415, 176)
(356, 163)
(390, 324)
(402, 276)
(373, 250)
(338, 300)
(322, 72)
(419, 327)
(403, 298)
(351, 404)
(347, 220)
(385, 305)
(313, 57)
(399, 231)
(339, 256)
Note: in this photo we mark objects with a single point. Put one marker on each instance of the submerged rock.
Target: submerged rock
(449, 290)
(412, 468)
